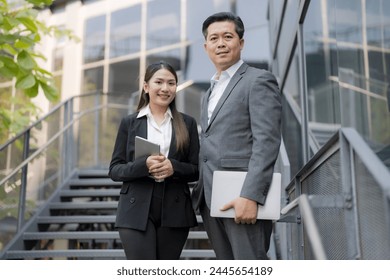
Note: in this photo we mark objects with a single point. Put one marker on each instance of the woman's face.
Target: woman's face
(161, 88)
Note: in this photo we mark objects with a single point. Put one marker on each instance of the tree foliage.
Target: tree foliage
(20, 32)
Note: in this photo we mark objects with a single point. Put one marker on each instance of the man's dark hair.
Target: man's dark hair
(224, 16)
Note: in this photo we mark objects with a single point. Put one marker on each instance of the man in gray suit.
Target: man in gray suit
(241, 130)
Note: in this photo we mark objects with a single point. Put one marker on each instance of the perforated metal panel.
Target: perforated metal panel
(326, 181)
(372, 215)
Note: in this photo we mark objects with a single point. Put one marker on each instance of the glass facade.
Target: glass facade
(343, 49)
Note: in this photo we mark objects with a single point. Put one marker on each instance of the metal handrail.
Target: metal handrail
(376, 167)
(310, 224)
(51, 112)
(350, 146)
(51, 140)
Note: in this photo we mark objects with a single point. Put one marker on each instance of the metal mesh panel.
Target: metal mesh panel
(326, 181)
(372, 215)
(333, 231)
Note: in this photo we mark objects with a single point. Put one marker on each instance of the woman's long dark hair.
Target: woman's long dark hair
(180, 129)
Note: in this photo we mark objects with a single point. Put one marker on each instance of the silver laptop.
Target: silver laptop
(227, 186)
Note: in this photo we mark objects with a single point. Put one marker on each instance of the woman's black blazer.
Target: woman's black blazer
(137, 188)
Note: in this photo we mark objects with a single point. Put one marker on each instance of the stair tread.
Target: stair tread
(76, 219)
(97, 253)
(91, 182)
(84, 218)
(91, 235)
(84, 205)
(96, 173)
(89, 192)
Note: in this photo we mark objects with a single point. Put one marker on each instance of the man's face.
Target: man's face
(223, 45)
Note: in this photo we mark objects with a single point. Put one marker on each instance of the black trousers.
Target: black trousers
(156, 243)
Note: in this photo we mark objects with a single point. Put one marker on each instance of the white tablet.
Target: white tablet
(227, 186)
(143, 147)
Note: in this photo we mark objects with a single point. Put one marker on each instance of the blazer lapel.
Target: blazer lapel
(141, 127)
(172, 147)
(233, 82)
(204, 111)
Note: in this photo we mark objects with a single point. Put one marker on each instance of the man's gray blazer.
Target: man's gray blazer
(244, 133)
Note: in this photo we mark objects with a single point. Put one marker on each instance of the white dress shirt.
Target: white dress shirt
(159, 134)
(218, 86)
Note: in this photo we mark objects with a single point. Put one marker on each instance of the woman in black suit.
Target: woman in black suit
(154, 213)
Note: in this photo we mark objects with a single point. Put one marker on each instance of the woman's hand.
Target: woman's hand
(159, 167)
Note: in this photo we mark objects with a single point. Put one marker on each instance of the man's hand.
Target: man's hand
(245, 209)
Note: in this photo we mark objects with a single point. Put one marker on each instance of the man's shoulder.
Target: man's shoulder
(252, 72)
(258, 71)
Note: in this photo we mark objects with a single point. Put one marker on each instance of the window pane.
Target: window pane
(349, 20)
(172, 57)
(124, 77)
(163, 25)
(94, 38)
(321, 68)
(93, 80)
(125, 34)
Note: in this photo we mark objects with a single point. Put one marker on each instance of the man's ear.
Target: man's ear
(242, 42)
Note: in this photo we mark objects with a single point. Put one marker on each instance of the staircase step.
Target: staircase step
(89, 193)
(91, 235)
(98, 205)
(77, 219)
(87, 219)
(94, 182)
(95, 253)
(93, 173)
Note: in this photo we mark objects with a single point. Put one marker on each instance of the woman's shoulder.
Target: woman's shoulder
(187, 118)
(130, 117)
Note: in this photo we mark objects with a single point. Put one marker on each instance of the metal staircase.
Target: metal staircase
(57, 202)
(78, 223)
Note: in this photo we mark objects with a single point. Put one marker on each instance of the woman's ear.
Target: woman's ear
(146, 87)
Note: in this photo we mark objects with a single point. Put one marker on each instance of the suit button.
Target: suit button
(205, 159)
(176, 199)
(132, 200)
(206, 135)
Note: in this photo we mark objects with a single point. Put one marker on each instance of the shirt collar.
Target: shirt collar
(145, 111)
(228, 73)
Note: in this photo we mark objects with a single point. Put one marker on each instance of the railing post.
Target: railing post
(97, 126)
(348, 187)
(23, 185)
(70, 140)
(67, 144)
